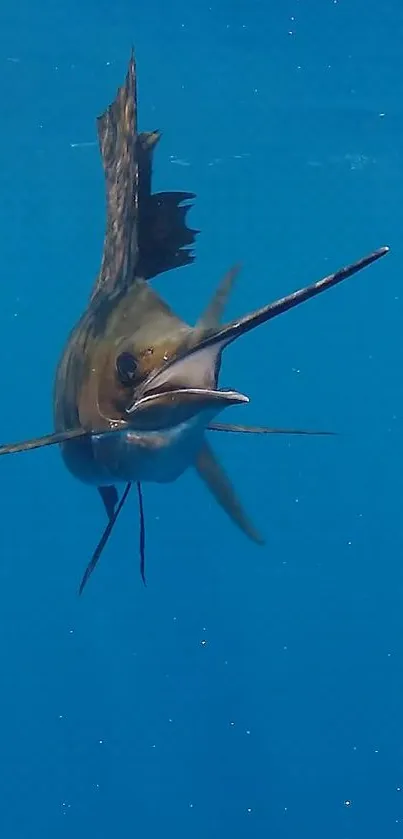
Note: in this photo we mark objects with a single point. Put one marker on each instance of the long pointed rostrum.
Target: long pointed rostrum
(223, 336)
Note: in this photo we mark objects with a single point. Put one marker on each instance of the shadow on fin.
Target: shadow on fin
(164, 239)
(110, 499)
(163, 236)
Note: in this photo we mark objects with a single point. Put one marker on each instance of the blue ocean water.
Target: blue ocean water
(246, 692)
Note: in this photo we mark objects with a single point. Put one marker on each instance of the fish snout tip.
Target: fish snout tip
(237, 397)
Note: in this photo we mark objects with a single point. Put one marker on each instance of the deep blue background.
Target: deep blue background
(246, 692)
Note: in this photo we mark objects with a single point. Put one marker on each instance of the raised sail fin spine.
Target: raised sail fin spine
(117, 134)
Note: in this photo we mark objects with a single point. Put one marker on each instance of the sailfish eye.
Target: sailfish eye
(126, 366)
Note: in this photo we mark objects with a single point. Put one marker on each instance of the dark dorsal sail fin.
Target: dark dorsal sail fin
(146, 234)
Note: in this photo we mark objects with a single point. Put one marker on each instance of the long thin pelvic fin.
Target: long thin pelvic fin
(103, 540)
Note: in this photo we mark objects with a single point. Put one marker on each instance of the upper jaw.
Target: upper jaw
(159, 411)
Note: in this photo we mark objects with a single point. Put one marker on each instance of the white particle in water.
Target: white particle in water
(347, 802)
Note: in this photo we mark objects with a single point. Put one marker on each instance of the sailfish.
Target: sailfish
(136, 389)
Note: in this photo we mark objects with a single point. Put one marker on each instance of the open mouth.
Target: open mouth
(169, 408)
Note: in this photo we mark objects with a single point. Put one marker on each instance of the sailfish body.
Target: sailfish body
(136, 389)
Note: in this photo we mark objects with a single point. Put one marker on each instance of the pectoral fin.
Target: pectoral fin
(262, 429)
(220, 486)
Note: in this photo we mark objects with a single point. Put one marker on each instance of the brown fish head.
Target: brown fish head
(161, 425)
